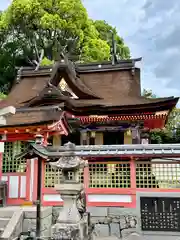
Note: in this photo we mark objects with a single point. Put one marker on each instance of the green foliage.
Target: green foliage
(148, 93)
(29, 26)
(173, 120)
(10, 57)
(105, 33)
(171, 132)
(2, 96)
(159, 136)
(90, 53)
(46, 62)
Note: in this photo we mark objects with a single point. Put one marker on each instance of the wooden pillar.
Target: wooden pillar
(1, 164)
(99, 138)
(86, 182)
(133, 179)
(1, 158)
(84, 138)
(41, 164)
(56, 140)
(127, 137)
(92, 138)
(135, 132)
(31, 180)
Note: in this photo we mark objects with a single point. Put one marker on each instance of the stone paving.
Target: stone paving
(106, 238)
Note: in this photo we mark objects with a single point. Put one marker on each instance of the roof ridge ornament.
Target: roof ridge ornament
(19, 74)
(113, 50)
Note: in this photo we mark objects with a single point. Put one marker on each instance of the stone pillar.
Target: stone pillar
(71, 223)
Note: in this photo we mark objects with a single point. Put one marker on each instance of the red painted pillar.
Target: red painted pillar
(45, 143)
(86, 182)
(1, 164)
(28, 179)
(35, 180)
(133, 179)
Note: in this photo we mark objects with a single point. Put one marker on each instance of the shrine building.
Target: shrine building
(86, 104)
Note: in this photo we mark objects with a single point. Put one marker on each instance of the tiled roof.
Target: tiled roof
(113, 90)
(139, 150)
(33, 116)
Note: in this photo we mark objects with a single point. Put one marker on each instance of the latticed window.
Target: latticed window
(54, 176)
(10, 163)
(157, 175)
(109, 175)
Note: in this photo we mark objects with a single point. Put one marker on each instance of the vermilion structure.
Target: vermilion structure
(87, 104)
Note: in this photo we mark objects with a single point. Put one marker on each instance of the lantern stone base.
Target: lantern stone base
(70, 225)
(66, 231)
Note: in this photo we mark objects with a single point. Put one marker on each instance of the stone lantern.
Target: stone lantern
(70, 224)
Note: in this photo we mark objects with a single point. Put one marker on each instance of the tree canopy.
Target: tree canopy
(32, 30)
(171, 132)
(148, 93)
(105, 31)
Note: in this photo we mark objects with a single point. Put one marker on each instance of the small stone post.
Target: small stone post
(70, 224)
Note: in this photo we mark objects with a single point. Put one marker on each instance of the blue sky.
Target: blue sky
(151, 28)
(4, 4)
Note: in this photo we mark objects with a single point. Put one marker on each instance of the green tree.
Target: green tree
(55, 25)
(34, 31)
(148, 93)
(10, 57)
(105, 30)
(171, 132)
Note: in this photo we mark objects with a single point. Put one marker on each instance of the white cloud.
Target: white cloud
(151, 28)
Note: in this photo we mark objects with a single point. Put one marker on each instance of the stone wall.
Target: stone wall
(29, 223)
(116, 220)
(121, 225)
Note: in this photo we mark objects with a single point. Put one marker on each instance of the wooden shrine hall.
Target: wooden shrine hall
(86, 104)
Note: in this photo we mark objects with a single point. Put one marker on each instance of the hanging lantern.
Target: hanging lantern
(128, 132)
(93, 134)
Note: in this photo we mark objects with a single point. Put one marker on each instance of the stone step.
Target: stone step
(6, 212)
(4, 222)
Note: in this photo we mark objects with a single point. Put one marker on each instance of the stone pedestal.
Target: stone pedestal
(70, 225)
(69, 213)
